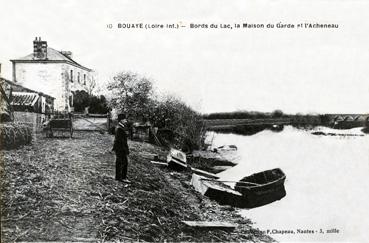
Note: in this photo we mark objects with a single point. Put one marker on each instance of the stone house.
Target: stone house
(52, 72)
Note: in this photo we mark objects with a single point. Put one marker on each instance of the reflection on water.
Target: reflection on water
(248, 130)
(327, 181)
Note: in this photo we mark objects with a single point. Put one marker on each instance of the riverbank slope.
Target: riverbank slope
(64, 190)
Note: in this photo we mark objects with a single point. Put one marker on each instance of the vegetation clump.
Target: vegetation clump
(14, 135)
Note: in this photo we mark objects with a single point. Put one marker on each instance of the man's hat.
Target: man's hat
(121, 117)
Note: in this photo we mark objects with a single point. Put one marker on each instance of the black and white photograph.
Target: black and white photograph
(184, 121)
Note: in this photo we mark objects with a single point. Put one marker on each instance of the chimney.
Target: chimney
(39, 49)
(0, 69)
(67, 54)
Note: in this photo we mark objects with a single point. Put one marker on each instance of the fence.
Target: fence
(91, 122)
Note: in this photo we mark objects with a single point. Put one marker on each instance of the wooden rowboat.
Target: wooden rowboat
(252, 191)
(263, 187)
(217, 191)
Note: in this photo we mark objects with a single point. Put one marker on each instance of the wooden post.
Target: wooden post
(108, 121)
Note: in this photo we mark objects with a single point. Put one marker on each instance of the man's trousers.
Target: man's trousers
(121, 166)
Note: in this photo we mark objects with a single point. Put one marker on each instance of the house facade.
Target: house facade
(52, 72)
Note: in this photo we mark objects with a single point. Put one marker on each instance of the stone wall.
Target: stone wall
(30, 119)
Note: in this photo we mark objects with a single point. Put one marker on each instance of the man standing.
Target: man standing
(121, 150)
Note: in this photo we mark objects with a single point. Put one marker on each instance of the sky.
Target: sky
(213, 70)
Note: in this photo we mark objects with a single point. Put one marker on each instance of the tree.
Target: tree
(131, 94)
(91, 85)
(96, 104)
(81, 99)
(277, 114)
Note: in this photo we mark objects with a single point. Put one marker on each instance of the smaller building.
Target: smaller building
(25, 105)
(25, 99)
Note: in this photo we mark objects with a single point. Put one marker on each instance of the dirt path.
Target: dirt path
(49, 188)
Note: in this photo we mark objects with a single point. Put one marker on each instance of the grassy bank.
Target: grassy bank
(64, 190)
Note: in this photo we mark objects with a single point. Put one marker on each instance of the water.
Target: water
(327, 182)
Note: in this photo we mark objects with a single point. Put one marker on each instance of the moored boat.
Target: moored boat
(252, 191)
(225, 148)
(218, 191)
(263, 187)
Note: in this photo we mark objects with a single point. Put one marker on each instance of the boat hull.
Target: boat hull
(264, 188)
(242, 196)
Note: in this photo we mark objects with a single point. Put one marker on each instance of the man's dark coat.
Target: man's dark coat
(121, 150)
(120, 142)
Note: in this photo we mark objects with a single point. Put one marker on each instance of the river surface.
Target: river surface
(327, 182)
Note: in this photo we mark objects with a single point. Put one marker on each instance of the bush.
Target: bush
(187, 125)
(14, 135)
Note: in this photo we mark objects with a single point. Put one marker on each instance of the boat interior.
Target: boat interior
(263, 177)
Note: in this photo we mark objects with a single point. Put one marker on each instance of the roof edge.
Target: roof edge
(51, 61)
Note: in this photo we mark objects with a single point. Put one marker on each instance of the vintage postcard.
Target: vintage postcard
(171, 120)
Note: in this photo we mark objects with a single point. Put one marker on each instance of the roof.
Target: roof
(24, 98)
(52, 56)
(19, 88)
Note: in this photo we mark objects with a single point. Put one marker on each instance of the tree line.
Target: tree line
(245, 115)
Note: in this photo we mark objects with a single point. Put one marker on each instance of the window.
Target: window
(71, 76)
(78, 77)
(84, 79)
